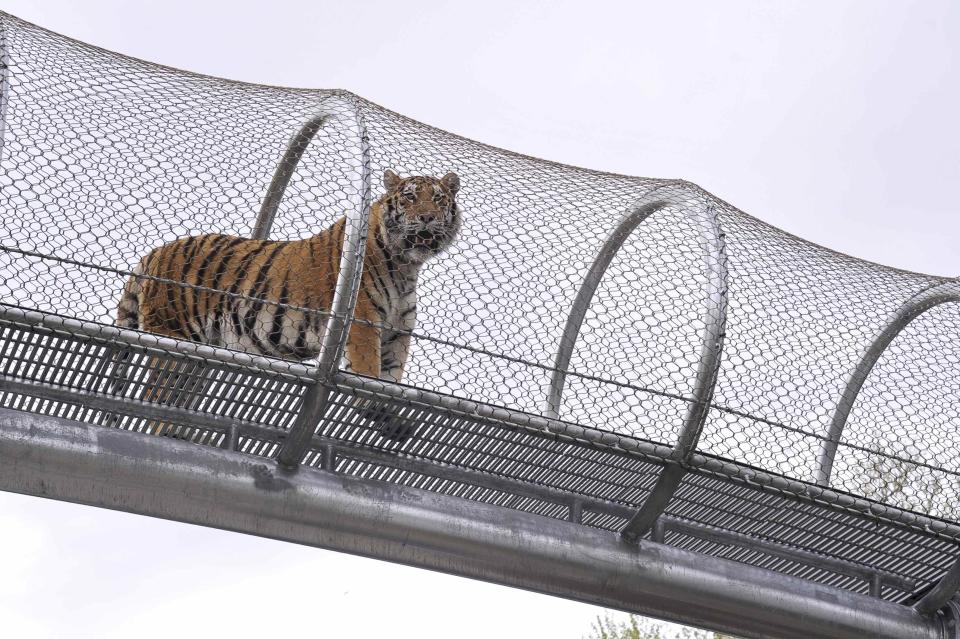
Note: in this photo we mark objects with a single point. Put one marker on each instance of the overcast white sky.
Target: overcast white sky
(836, 121)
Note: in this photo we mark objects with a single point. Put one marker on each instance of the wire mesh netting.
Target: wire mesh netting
(572, 331)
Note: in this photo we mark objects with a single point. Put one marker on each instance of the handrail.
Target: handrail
(153, 343)
(915, 306)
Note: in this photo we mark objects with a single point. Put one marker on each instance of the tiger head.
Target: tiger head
(420, 217)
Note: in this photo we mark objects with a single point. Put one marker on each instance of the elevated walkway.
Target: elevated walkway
(621, 390)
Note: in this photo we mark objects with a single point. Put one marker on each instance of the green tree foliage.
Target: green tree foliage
(634, 627)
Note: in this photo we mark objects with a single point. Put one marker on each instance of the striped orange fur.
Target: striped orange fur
(269, 297)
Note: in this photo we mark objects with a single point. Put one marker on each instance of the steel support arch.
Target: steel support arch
(160, 477)
(648, 205)
(316, 397)
(715, 268)
(281, 177)
(4, 82)
(918, 304)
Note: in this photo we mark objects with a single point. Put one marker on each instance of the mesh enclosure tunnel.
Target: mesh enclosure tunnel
(628, 358)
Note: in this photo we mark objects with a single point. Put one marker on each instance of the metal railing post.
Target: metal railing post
(911, 309)
(317, 397)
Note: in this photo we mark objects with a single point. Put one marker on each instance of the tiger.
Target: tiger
(272, 298)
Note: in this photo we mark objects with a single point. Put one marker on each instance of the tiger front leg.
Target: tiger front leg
(364, 356)
(394, 352)
(363, 348)
(393, 355)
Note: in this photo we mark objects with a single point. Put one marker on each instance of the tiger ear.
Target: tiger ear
(451, 182)
(390, 180)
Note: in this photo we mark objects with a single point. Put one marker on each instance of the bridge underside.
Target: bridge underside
(729, 532)
(57, 458)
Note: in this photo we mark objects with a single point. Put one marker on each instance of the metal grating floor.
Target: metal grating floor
(52, 365)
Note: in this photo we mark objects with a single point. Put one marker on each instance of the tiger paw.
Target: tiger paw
(382, 419)
(396, 429)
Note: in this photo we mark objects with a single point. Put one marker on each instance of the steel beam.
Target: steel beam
(316, 398)
(923, 301)
(59, 459)
(233, 428)
(285, 169)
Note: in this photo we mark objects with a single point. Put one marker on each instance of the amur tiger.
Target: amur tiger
(256, 296)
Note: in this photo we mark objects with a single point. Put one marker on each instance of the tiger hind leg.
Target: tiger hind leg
(177, 383)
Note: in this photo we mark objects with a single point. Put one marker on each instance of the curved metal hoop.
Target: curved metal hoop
(941, 592)
(711, 346)
(281, 177)
(4, 83)
(341, 312)
(715, 267)
(650, 204)
(918, 304)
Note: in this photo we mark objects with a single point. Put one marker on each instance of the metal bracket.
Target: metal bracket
(950, 618)
(944, 590)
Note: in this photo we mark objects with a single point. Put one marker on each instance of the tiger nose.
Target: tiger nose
(430, 217)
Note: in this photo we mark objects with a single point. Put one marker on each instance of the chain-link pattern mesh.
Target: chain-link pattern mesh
(105, 158)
